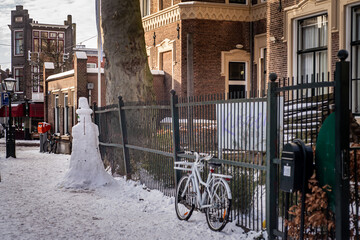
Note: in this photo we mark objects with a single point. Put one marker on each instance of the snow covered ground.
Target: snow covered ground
(33, 207)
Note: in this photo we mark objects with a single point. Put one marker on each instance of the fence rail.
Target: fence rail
(245, 134)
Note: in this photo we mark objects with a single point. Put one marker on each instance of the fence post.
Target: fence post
(126, 155)
(176, 132)
(342, 112)
(271, 153)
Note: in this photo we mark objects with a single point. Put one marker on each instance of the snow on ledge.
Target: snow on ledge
(94, 70)
(61, 75)
(157, 72)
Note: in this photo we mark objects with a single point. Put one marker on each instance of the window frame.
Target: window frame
(355, 94)
(57, 113)
(238, 82)
(66, 114)
(15, 43)
(297, 52)
(18, 77)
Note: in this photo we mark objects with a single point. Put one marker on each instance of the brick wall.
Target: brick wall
(277, 51)
(334, 51)
(159, 85)
(166, 32)
(210, 38)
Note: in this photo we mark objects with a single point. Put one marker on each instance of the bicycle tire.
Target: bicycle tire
(184, 206)
(217, 216)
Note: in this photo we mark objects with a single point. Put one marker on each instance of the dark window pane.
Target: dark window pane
(238, 1)
(236, 71)
(44, 35)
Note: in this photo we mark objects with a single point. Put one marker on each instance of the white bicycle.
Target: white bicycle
(214, 198)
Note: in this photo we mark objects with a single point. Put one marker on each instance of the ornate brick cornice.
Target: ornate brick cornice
(204, 10)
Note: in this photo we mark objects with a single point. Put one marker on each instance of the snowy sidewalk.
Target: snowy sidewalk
(32, 207)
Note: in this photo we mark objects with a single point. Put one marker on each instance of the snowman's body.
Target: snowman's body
(86, 169)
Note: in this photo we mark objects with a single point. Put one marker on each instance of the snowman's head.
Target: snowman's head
(84, 108)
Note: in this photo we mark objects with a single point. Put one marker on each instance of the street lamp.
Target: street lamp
(9, 87)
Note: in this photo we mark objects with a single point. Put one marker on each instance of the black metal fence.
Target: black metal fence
(137, 139)
(245, 134)
(301, 110)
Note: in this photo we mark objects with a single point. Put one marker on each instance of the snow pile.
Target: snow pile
(32, 207)
(86, 167)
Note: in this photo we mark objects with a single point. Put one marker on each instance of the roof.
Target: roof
(61, 75)
(48, 25)
(94, 70)
(81, 55)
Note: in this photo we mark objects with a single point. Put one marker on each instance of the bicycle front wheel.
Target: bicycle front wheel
(217, 215)
(184, 205)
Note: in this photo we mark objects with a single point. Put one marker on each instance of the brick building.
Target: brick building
(32, 44)
(64, 89)
(305, 36)
(206, 47)
(221, 46)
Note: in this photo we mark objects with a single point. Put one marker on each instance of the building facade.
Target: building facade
(64, 89)
(304, 38)
(32, 44)
(206, 47)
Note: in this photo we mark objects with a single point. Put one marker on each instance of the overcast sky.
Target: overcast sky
(49, 11)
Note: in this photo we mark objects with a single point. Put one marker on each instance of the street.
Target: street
(32, 206)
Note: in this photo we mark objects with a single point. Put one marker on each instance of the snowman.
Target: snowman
(86, 169)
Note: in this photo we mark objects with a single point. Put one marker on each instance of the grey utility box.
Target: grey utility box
(292, 166)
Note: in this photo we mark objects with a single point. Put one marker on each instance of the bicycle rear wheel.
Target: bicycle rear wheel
(217, 216)
(184, 206)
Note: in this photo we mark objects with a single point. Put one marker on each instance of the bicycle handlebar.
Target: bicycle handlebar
(200, 156)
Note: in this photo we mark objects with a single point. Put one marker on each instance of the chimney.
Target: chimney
(69, 19)
(19, 8)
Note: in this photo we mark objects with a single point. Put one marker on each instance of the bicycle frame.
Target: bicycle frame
(195, 177)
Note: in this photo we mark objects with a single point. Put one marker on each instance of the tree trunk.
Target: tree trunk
(127, 71)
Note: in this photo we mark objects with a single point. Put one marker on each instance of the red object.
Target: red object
(16, 111)
(36, 110)
(43, 127)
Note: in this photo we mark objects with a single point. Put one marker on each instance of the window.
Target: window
(237, 79)
(18, 78)
(61, 45)
(355, 58)
(53, 35)
(37, 82)
(66, 114)
(19, 19)
(312, 49)
(145, 7)
(91, 65)
(238, 1)
(57, 114)
(19, 43)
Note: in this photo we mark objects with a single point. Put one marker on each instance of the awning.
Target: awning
(36, 110)
(17, 110)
